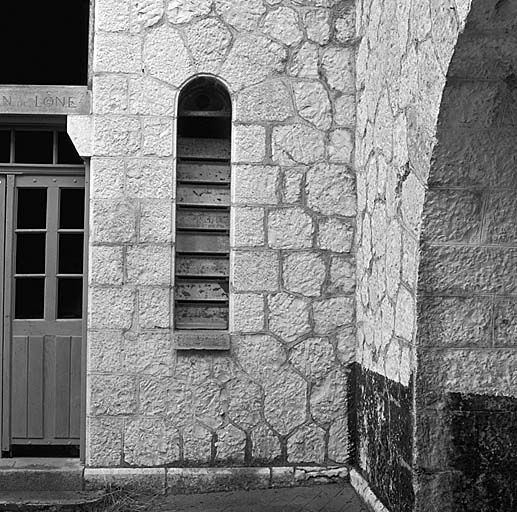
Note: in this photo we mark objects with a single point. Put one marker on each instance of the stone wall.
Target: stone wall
(402, 61)
(279, 395)
(467, 358)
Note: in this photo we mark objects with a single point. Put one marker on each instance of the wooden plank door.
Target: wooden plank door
(43, 303)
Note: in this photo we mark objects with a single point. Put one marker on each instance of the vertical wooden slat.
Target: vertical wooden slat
(62, 387)
(75, 386)
(19, 386)
(35, 387)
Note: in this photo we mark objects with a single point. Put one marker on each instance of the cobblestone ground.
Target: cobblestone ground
(321, 498)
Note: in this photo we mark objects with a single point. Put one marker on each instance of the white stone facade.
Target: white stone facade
(280, 393)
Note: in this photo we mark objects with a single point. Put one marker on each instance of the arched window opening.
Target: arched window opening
(44, 43)
(203, 206)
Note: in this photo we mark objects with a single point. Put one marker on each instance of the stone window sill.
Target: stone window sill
(202, 340)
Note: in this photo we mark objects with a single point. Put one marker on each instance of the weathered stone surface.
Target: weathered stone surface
(107, 178)
(505, 323)
(285, 401)
(306, 445)
(297, 143)
(117, 53)
(244, 401)
(332, 313)
(148, 96)
(267, 101)
(244, 15)
(455, 321)
(150, 178)
(290, 228)
(304, 272)
(248, 227)
(249, 143)
(105, 350)
(255, 270)
(345, 26)
(148, 353)
(338, 68)
(342, 275)
(208, 41)
(330, 190)
(230, 444)
(283, 24)
(341, 146)
(148, 12)
(346, 345)
(313, 104)
(317, 24)
(292, 185)
(183, 11)
(255, 184)
(157, 136)
(345, 110)
(260, 356)
(265, 445)
(112, 16)
(139, 481)
(165, 56)
(501, 215)
(110, 94)
(111, 308)
(288, 316)
(335, 235)
(252, 58)
(313, 358)
(106, 265)
(104, 441)
(328, 399)
(155, 221)
(197, 443)
(112, 394)
(116, 136)
(149, 265)
(248, 312)
(154, 308)
(150, 442)
(304, 62)
(338, 447)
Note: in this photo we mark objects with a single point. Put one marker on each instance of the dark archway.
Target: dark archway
(467, 306)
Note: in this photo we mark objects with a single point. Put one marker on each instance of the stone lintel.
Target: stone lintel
(202, 340)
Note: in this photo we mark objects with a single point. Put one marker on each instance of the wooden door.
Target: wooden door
(44, 247)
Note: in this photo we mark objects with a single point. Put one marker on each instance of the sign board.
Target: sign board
(44, 99)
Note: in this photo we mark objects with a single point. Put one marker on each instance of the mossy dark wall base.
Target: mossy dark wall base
(384, 412)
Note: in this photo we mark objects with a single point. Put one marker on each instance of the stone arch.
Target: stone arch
(466, 386)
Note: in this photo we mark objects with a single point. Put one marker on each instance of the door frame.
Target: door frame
(7, 181)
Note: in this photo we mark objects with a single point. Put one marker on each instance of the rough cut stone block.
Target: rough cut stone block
(341, 146)
(313, 104)
(501, 218)
(151, 97)
(105, 351)
(141, 480)
(285, 400)
(338, 67)
(110, 94)
(255, 184)
(329, 397)
(331, 190)
(116, 136)
(247, 310)
(332, 313)
(304, 273)
(249, 143)
(266, 445)
(113, 221)
(195, 480)
(117, 53)
(288, 316)
(148, 353)
(111, 308)
(307, 445)
(107, 178)
(105, 265)
(157, 136)
(290, 228)
(112, 394)
(156, 221)
(150, 178)
(255, 270)
(283, 24)
(112, 16)
(154, 308)
(146, 13)
(335, 235)
(267, 101)
(244, 401)
(317, 24)
(149, 264)
(292, 185)
(165, 56)
(243, 16)
(282, 477)
(313, 358)
(259, 356)
(505, 323)
(304, 62)
(230, 444)
(248, 227)
(342, 275)
(297, 143)
(104, 441)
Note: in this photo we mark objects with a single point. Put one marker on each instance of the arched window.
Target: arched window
(203, 206)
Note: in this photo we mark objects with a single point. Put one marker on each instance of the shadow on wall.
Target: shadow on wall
(467, 358)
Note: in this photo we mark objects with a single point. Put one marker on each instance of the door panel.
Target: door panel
(44, 344)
